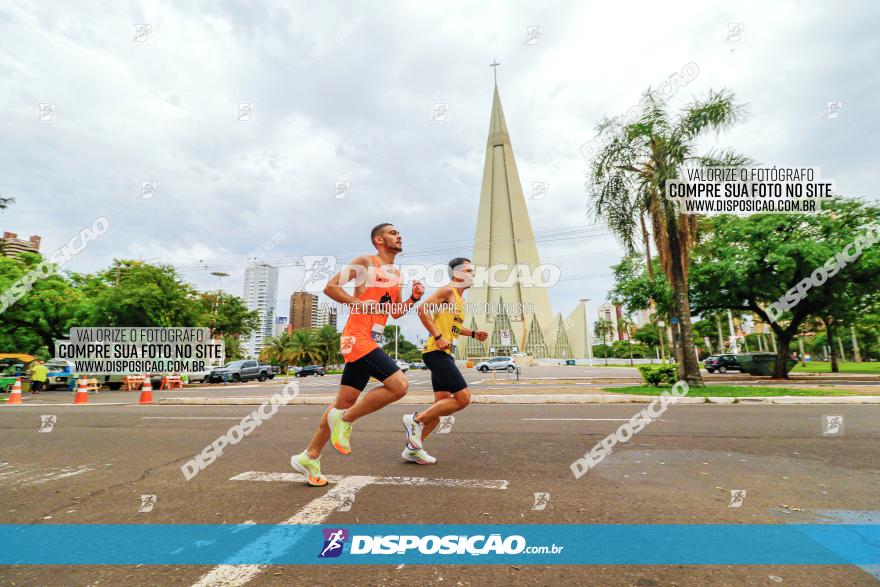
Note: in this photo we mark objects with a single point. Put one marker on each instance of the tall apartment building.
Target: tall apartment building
(609, 312)
(260, 291)
(280, 325)
(642, 317)
(12, 246)
(303, 307)
(306, 312)
(325, 315)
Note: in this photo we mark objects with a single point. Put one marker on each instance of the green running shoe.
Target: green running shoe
(340, 431)
(311, 468)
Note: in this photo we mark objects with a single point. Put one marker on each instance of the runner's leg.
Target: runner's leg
(445, 403)
(392, 389)
(345, 398)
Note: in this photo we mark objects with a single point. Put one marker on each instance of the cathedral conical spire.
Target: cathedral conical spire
(504, 237)
(498, 135)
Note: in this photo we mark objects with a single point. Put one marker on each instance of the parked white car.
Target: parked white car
(497, 364)
(404, 366)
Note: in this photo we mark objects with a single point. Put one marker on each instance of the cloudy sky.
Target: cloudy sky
(345, 92)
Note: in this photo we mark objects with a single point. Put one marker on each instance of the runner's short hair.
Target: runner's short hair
(455, 263)
(378, 229)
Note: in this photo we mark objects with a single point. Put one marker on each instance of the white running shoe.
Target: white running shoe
(419, 456)
(413, 431)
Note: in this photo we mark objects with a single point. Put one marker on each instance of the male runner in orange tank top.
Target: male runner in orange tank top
(373, 301)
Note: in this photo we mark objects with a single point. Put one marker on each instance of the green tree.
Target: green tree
(279, 350)
(403, 345)
(627, 182)
(602, 328)
(327, 340)
(748, 263)
(304, 345)
(648, 335)
(43, 314)
(232, 348)
(134, 293)
(227, 314)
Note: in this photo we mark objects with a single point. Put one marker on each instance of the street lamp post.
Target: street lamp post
(587, 326)
(733, 347)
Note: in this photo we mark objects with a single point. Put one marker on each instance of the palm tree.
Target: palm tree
(304, 347)
(626, 325)
(628, 179)
(601, 329)
(327, 338)
(232, 348)
(279, 350)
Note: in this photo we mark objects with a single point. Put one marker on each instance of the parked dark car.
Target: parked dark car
(245, 370)
(313, 370)
(417, 365)
(721, 363)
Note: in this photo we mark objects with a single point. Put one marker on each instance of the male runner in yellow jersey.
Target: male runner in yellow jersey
(373, 301)
(443, 316)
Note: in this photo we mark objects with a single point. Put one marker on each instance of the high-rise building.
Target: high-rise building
(325, 315)
(641, 317)
(280, 325)
(303, 309)
(260, 291)
(12, 246)
(609, 313)
(306, 312)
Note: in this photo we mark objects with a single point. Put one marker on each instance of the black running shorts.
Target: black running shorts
(374, 364)
(445, 375)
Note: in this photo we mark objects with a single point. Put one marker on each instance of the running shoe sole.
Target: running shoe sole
(312, 481)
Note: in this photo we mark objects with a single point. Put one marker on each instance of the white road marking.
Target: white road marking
(413, 481)
(28, 476)
(315, 512)
(585, 419)
(61, 476)
(275, 541)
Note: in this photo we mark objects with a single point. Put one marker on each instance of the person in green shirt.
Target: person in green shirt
(39, 374)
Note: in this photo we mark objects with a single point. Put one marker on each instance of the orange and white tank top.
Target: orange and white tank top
(363, 331)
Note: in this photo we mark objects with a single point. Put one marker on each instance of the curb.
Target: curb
(562, 398)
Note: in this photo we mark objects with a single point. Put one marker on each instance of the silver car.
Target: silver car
(497, 364)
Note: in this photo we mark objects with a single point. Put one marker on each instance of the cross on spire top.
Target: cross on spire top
(494, 65)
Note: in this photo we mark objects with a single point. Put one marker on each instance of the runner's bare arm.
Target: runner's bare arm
(334, 289)
(478, 334)
(441, 296)
(418, 290)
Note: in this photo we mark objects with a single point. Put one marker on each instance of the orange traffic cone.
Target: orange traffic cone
(15, 395)
(146, 391)
(82, 392)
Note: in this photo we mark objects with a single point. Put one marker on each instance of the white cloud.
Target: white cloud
(345, 93)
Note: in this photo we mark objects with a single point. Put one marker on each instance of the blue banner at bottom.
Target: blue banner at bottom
(612, 544)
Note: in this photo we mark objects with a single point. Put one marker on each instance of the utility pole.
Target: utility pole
(395, 341)
(733, 347)
(660, 325)
(801, 348)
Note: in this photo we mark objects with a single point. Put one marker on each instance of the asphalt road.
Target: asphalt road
(98, 460)
(561, 379)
